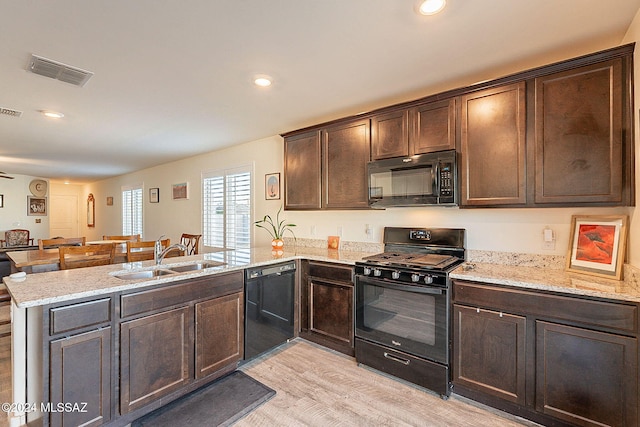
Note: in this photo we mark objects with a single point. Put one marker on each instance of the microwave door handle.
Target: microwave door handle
(434, 179)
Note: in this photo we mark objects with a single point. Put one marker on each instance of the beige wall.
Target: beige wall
(14, 212)
(633, 36)
(511, 230)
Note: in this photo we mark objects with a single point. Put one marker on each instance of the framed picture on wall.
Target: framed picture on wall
(597, 245)
(36, 206)
(180, 191)
(154, 195)
(272, 186)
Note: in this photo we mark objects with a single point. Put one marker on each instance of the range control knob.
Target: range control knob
(415, 277)
(377, 272)
(366, 271)
(395, 275)
(428, 280)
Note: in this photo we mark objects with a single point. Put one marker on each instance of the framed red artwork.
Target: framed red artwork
(597, 245)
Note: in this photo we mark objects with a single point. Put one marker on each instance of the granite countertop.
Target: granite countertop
(57, 286)
(549, 279)
(65, 285)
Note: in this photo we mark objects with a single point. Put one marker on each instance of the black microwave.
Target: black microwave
(425, 179)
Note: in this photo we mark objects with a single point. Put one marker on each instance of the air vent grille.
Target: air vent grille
(10, 112)
(59, 71)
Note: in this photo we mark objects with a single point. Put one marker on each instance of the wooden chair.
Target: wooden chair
(132, 238)
(86, 256)
(143, 251)
(57, 242)
(16, 237)
(191, 241)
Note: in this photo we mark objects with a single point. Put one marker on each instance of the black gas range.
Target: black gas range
(402, 305)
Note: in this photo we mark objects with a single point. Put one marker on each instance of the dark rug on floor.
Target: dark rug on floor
(220, 403)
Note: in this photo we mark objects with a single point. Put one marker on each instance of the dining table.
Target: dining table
(41, 260)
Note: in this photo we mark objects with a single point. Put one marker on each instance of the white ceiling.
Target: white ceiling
(173, 78)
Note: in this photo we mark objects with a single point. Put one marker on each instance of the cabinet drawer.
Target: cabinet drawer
(332, 272)
(610, 315)
(75, 316)
(181, 293)
(402, 365)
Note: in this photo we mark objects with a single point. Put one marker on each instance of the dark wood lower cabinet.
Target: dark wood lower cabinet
(586, 377)
(490, 352)
(155, 357)
(557, 359)
(127, 354)
(219, 333)
(80, 373)
(327, 306)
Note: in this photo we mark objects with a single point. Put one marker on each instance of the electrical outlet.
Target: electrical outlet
(340, 230)
(313, 230)
(548, 239)
(368, 231)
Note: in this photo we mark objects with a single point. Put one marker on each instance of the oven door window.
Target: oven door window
(407, 318)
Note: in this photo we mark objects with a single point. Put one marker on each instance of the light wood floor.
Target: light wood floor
(318, 387)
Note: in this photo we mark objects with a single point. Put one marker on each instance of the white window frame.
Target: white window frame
(135, 229)
(226, 240)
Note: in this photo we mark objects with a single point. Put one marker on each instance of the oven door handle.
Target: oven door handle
(409, 288)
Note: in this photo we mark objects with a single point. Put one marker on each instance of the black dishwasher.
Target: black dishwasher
(269, 298)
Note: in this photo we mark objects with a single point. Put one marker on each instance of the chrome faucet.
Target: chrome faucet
(159, 253)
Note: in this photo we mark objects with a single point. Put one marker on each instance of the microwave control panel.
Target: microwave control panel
(446, 179)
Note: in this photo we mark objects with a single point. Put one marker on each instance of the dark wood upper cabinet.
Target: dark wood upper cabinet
(327, 168)
(557, 135)
(493, 146)
(433, 127)
(302, 176)
(345, 150)
(390, 135)
(578, 135)
(422, 129)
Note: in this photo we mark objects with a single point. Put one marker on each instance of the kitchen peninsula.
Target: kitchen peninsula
(76, 312)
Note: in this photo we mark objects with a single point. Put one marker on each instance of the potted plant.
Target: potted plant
(276, 229)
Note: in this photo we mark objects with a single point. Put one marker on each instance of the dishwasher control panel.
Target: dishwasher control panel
(254, 273)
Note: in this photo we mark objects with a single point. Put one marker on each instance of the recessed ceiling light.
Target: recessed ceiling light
(262, 80)
(431, 7)
(52, 114)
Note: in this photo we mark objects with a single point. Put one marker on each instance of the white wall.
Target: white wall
(174, 217)
(14, 212)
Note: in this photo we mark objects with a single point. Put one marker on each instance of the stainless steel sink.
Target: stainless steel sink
(145, 274)
(196, 266)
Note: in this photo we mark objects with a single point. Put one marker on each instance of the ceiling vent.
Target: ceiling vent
(10, 112)
(59, 71)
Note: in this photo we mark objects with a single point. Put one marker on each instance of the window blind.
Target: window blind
(132, 210)
(227, 208)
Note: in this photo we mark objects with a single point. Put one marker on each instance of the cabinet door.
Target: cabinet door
(156, 354)
(81, 372)
(346, 153)
(331, 311)
(219, 333)
(579, 135)
(493, 146)
(433, 127)
(489, 352)
(390, 135)
(302, 164)
(585, 377)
